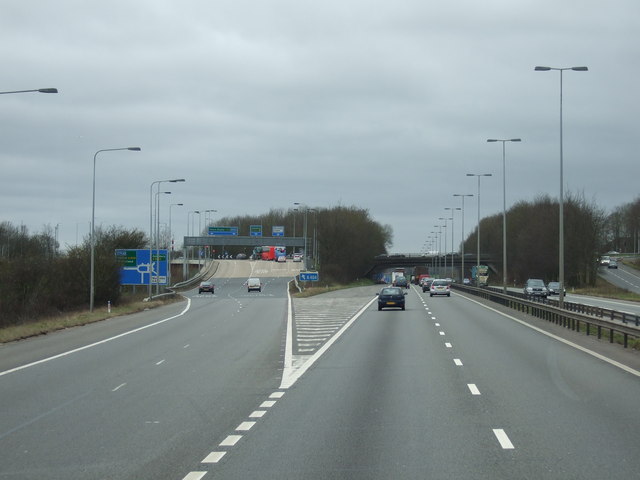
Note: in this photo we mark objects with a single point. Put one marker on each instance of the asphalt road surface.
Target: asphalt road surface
(255, 385)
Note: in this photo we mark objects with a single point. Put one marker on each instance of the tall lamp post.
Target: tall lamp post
(93, 212)
(445, 242)
(504, 209)
(158, 235)
(462, 195)
(453, 211)
(171, 238)
(304, 255)
(39, 90)
(561, 202)
(478, 247)
(157, 182)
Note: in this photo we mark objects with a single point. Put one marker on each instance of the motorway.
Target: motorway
(242, 385)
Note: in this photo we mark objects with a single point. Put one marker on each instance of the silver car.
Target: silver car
(535, 288)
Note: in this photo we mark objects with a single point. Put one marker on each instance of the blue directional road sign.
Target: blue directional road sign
(309, 276)
(135, 266)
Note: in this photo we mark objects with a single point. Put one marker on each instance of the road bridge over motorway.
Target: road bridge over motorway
(434, 263)
(244, 241)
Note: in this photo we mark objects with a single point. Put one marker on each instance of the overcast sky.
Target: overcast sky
(385, 105)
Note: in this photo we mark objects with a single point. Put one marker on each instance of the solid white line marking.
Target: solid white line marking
(257, 414)
(276, 395)
(230, 441)
(194, 475)
(64, 354)
(118, 387)
(245, 426)
(502, 437)
(291, 374)
(555, 337)
(214, 457)
(160, 362)
(448, 345)
(457, 361)
(267, 404)
(474, 390)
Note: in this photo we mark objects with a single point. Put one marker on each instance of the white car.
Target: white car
(254, 284)
(297, 257)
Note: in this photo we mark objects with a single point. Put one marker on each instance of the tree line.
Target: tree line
(341, 240)
(36, 280)
(533, 232)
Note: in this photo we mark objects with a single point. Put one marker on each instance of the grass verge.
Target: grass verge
(317, 290)
(128, 305)
(605, 289)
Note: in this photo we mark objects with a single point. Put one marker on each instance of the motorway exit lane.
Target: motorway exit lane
(146, 405)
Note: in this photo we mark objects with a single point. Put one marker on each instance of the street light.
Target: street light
(504, 209)
(157, 182)
(561, 202)
(304, 255)
(171, 239)
(453, 211)
(462, 195)
(93, 212)
(207, 221)
(39, 90)
(445, 242)
(478, 247)
(158, 235)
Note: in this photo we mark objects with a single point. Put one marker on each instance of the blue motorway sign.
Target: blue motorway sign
(277, 231)
(309, 276)
(135, 266)
(255, 230)
(227, 231)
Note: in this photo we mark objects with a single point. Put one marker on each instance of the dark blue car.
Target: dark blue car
(391, 297)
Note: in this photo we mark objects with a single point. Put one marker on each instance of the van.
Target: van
(254, 284)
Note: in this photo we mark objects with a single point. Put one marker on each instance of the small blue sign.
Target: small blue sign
(255, 230)
(309, 276)
(277, 231)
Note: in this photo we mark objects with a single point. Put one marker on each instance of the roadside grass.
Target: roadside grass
(603, 288)
(128, 304)
(317, 290)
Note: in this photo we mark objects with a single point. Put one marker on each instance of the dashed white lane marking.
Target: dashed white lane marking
(437, 324)
(441, 333)
(257, 414)
(502, 437)
(245, 426)
(194, 475)
(473, 388)
(160, 362)
(433, 318)
(267, 404)
(186, 346)
(457, 361)
(230, 441)
(276, 395)
(448, 345)
(214, 457)
(64, 354)
(118, 387)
